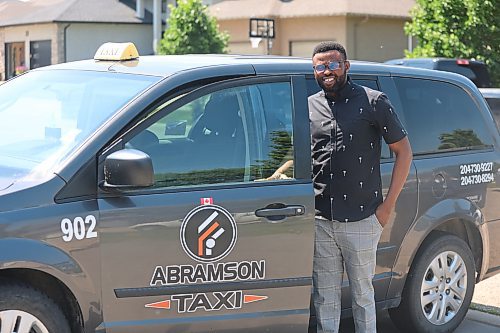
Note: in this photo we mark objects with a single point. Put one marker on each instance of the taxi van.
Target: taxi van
(139, 194)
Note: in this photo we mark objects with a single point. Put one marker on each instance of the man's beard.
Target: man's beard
(339, 83)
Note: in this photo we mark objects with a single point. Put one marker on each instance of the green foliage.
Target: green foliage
(281, 151)
(192, 30)
(459, 138)
(458, 29)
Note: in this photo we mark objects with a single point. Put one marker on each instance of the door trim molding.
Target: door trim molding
(211, 287)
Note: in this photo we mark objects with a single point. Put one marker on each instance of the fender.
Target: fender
(40, 256)
(437, 215)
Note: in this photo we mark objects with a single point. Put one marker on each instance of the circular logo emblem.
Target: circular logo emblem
(208, 233)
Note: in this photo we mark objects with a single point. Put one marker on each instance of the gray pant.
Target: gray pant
(353, 244)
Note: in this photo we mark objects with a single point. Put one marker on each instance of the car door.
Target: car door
(217, 244)
(406, 205)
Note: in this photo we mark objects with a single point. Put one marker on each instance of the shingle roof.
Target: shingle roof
(239, 9)
(18, 12)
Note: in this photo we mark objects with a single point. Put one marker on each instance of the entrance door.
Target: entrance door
(14, 59)
(222, 242)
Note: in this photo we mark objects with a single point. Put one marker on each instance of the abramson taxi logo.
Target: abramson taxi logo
(208, 233)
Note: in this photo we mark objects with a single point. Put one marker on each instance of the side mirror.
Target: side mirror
(128, 169)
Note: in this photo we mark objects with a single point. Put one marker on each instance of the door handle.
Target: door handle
(280, 211)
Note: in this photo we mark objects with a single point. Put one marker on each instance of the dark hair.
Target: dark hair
(330, 46)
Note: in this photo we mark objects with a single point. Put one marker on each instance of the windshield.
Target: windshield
(45, 115)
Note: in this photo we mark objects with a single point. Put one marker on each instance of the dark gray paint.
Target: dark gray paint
(140, 229)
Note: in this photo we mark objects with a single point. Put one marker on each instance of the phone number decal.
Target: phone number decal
(477, 179)
(467, 169)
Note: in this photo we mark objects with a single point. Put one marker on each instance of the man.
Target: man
(347, 124)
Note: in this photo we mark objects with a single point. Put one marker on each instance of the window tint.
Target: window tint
(241, 134)
(494, 104)
(312, 86)
(440, 117)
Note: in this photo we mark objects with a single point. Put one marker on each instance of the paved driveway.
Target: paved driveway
(486, 297)
(487, 294)
(475, 321)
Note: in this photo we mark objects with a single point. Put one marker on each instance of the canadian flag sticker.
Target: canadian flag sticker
(206, 201)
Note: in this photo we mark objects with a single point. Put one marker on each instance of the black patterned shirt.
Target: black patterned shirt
(346, 144)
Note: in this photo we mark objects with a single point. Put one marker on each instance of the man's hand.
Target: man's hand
(383, 212)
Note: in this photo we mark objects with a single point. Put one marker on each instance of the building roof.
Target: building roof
(20, 12)
(241, 9)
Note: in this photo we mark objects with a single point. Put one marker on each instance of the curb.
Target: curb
(485, 308)
(483, 317)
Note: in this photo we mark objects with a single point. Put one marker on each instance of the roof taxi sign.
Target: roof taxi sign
(116, 52)
(208, 233)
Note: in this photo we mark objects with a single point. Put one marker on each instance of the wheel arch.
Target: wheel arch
(53, 272)
(458, 217)
(54, 288)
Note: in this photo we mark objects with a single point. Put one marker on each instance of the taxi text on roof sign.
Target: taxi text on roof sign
(116, 51)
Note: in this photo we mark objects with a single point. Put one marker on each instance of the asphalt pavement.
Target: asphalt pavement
(486, 298)
(475, 321)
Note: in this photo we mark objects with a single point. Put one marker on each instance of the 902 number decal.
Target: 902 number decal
(78, 228)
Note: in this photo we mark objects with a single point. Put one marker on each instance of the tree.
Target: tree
(458, 29)
(192, 30)
(459, 138)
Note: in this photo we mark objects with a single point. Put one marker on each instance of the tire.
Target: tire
(26, 310)
(436, 300)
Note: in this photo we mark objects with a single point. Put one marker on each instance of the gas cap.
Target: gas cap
(439, 186)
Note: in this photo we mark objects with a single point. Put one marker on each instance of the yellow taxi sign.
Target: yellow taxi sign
(116, 52)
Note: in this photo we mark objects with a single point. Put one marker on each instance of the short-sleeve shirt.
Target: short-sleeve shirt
(346, 144)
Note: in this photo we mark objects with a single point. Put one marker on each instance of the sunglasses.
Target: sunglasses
(331, 66)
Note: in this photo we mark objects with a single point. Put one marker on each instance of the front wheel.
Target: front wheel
(26, 310)
(439, 287)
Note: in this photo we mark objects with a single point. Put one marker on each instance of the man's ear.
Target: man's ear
(347, 65)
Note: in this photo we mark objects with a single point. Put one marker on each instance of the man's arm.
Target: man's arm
(280, 172)
(403, 153)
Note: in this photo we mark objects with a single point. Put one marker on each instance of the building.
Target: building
(370, 29)
(35, 33)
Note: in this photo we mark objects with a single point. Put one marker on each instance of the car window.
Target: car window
(46, 115)
(312, 86)
(494, 104)
(452, 66)
(477, 72)
(440, 117)
(240, 134)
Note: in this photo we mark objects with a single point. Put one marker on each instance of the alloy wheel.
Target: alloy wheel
(443, 287)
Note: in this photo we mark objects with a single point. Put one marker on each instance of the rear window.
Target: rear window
(477, 72)
(494, 104)
(441, 117)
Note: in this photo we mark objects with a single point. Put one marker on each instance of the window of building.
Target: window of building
(40, 53)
